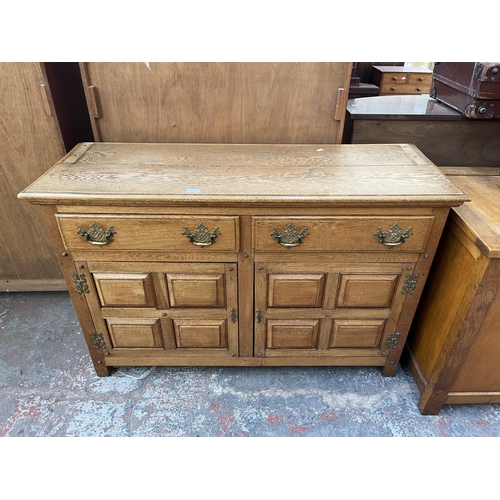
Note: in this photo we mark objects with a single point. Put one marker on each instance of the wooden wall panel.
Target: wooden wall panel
(217, 102)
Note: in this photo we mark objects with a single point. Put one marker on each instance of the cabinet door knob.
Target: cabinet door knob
(290, 237)
(201, 236)
(96, 235)
(394, 77)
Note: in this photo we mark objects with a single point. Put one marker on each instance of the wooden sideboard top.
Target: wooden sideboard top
(160, 173)
(480, 217)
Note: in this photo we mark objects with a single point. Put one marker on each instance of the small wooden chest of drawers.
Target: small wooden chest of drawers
(454, 343)
(244, 255)
(394, 80)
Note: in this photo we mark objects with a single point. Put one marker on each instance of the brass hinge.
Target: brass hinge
(98, 340)
(409, 284)
(392, 340)
(234, 316)
(80, 283)
(258, 316)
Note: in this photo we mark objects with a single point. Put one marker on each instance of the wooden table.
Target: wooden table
(244, 255)
(454, 344)
(444, 135)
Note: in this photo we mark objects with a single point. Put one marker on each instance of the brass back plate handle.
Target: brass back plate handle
(393, 236)
(96, 235)
(290, 237)
(201, 236)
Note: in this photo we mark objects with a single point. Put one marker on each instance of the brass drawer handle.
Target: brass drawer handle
(96, 234)
(289, 237)
(393, 236)
(201, 236)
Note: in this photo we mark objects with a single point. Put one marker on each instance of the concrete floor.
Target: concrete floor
(48, 387)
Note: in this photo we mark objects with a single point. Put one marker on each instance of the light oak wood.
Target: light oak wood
(152, 175)
(357, 333)
(30, 141)
(455, 360)
(292, 334)
(132, 290)
(146, 233)
(134, 333)
(296, 290)
(217, 102)
(364, 290)
(155, 298)
(339, 233)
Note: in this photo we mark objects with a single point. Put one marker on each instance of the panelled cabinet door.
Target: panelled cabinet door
(185, 308)
(326, 309)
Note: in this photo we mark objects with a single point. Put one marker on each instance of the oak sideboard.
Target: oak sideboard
(244, 255)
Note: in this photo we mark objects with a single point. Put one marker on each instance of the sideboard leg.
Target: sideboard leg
(389, 370)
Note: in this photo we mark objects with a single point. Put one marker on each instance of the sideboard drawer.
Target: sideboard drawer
(341, 234)
(158, 233)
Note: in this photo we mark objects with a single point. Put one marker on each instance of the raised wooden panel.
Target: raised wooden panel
(296, 290)
(135, 332)
(366, 290)
(197, 333)
(292, 334)
(357, 333)
(196, 290)
(125, 290)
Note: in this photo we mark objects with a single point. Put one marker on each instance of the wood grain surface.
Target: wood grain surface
(216, 102)
(200, 173)
(30, 142)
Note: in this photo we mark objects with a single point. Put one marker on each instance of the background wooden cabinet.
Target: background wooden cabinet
(217, 102)
(31, 141)
(454, 346)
